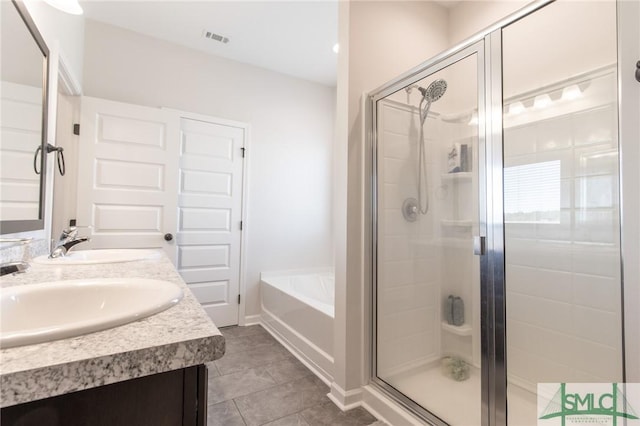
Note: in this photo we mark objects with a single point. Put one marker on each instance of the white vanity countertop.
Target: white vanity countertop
(179, 337)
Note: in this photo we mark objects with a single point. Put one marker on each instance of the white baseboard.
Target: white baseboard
(251, 320)
(375, 402)
(345, 400)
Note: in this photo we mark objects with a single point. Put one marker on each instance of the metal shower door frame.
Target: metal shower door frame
(478, 49)
(492, 263)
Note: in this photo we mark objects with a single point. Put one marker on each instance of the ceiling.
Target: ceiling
(294, 37)
(449, 4)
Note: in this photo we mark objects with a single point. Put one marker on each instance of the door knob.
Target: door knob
(168, 237)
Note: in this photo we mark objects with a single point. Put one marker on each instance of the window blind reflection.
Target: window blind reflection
(532, 192)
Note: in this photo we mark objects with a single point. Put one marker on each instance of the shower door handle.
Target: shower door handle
(479, 245)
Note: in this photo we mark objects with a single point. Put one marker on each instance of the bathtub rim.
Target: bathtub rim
(325, 308)
(293, 272)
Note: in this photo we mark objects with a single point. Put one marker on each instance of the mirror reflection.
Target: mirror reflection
(22, 65)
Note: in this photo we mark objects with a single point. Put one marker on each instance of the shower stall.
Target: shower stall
(496, 260)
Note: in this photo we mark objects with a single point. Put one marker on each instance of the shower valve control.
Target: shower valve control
(410, 209)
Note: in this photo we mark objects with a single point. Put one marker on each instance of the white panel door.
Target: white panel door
(128, 175)
(209, 210)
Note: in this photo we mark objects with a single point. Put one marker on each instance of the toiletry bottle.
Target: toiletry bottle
(458, 311)
(448, 310)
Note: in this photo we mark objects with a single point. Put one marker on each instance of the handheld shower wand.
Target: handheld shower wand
(432, 93)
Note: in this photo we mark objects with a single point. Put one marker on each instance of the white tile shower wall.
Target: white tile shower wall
(563, 276)
(431, 254)
(408, 262)
(457, 198)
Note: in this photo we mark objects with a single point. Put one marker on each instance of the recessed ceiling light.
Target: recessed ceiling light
(336, 47)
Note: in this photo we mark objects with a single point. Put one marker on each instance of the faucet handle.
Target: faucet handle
(72, 231)
(69, 232)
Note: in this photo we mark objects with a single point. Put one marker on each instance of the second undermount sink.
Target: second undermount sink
(43, 312)
(89, 257)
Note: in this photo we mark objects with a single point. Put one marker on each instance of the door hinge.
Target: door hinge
(241, 225)
(243, 149)
(76, 129)
(238, 299)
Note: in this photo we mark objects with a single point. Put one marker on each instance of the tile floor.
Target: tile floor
(258, 382)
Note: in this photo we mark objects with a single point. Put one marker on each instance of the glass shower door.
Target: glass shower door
(427, 279)
(561, 204)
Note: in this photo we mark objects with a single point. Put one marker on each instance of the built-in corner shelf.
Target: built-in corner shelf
(460, 176)
(456, 223)
(459, 330)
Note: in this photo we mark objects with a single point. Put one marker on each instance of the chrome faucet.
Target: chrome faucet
(68, 239)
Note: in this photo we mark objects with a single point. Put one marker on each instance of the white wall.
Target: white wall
(560, 51)
(290, 153)
(382, 39)
(21, 57)
(64, 188)
(467, 18)
(63, 32)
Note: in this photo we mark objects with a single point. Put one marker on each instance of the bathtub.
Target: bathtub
(298, 309)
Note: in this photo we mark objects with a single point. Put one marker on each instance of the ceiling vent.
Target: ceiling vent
(216, 37)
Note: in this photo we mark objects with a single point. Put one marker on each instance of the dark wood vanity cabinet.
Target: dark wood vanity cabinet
(174, 398)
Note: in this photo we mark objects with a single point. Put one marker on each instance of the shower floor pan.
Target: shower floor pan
(432, 389)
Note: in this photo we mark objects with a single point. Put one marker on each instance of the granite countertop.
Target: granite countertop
(179, 337)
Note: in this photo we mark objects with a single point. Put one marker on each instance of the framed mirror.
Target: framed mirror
(24, 70)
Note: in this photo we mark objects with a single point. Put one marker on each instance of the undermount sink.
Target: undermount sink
(38, 313)
(88, 257)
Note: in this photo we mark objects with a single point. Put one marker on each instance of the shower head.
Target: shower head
(434, 91)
